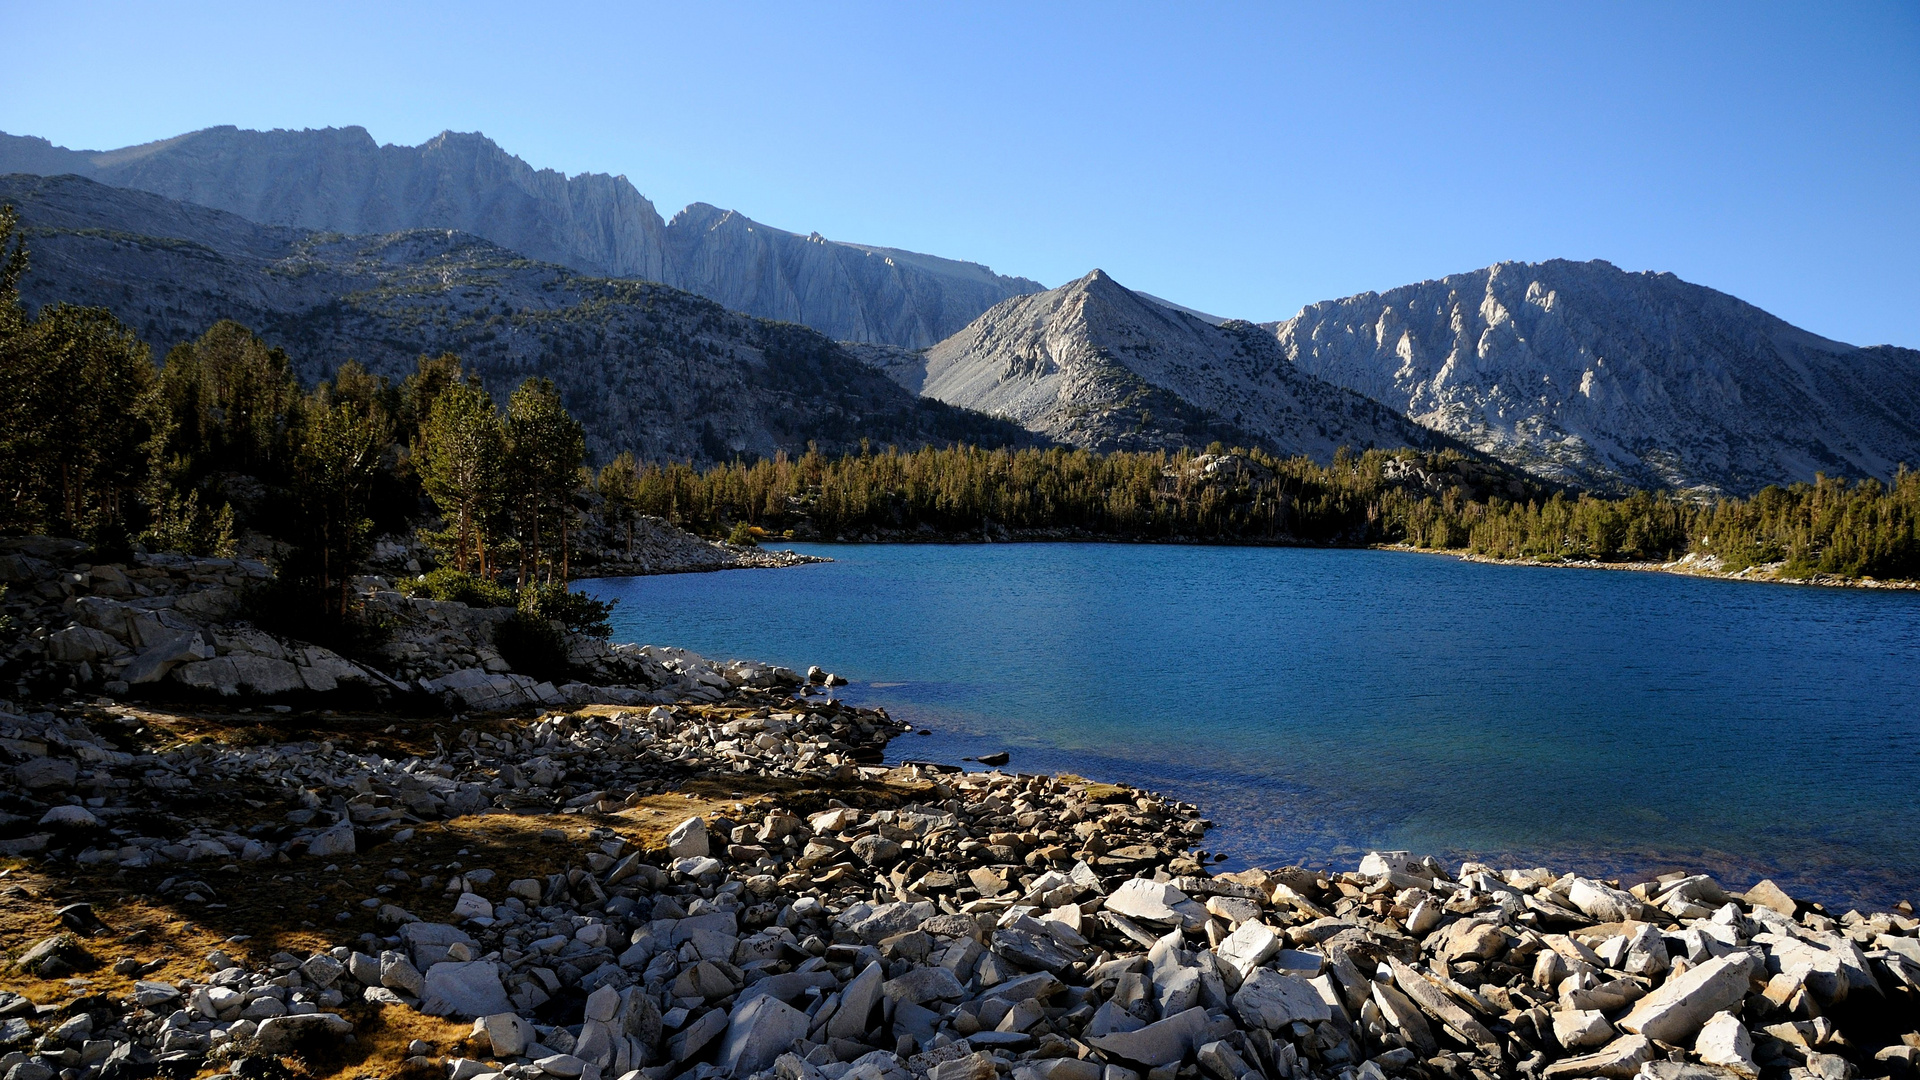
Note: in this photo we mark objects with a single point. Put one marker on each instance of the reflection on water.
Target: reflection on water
(1318, 703)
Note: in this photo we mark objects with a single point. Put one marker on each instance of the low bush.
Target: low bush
(578, 612)
(472, 590)
(293, 609)
(533, 645)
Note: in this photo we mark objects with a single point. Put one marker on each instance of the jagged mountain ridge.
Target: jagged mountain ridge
(1097, 365)
(645, 367)
(341, 180)
(1581, 372)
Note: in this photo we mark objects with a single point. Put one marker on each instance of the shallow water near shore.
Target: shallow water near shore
(1318, 703)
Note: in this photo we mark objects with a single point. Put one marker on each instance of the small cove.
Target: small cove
(1317, 703)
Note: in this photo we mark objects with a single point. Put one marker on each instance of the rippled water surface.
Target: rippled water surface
(1319, 703)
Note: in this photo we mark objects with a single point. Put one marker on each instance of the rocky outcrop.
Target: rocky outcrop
(163, 620)
(1099, 366)
(653, 545)
(1586, 373)
(341, 180)
(646, 368)
(171, 626)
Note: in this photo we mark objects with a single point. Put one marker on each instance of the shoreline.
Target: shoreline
(739, 889)
(748, 559)
(692, 869)
(1763, 574)
(1687, 566)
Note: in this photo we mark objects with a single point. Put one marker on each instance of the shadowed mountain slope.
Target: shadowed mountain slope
(341, 180)
(645, 367)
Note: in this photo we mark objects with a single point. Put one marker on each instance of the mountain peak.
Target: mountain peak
(1096, 281)
(1098, 365)
(464, 138)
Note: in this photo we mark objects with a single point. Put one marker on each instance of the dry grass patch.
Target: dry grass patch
(253, 910)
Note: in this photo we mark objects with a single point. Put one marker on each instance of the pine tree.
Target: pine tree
(619, 485)
(544, 449)
(335, 464)
(74, 422)
(461, 461)
(75, 412)
(228, 404)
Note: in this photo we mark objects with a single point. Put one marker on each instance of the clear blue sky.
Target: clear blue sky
(1242, 159)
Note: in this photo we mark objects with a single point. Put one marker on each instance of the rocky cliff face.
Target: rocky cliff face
(645, 367)
(341, 180)
(852, 291)
(1097, 365)
(1587, 373)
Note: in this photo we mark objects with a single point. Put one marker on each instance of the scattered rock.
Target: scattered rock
(688, 839)
(70, 817)
(758, 1032)
(465, 990)
(1773, 897)
(55, 957)
(1676, 1011)
(337, 840)
(45, 774)
(1619, 1058)
(1163, 1042)
(1726, 1042)
(284, 1034)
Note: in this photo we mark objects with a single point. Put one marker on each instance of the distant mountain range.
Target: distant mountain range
(341, 180)
(1579, 373)
(645, 367)
(1585, 373)
(1095, 364)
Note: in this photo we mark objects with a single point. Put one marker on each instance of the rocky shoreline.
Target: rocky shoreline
(1685, 566)
(173, 627)
(709, 890)
(226, 853)
(601, 549)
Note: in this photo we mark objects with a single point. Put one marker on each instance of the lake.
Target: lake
(1319, 703)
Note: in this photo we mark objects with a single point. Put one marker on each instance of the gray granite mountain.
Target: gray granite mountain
(645, 367)
(1097, 365)
(1583, 372)
(853, 292)
(341, 180)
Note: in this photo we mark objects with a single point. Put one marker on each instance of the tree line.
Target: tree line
(1440, 501)
(98, 443)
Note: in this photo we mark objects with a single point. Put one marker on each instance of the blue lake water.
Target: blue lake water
(1320, 703)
